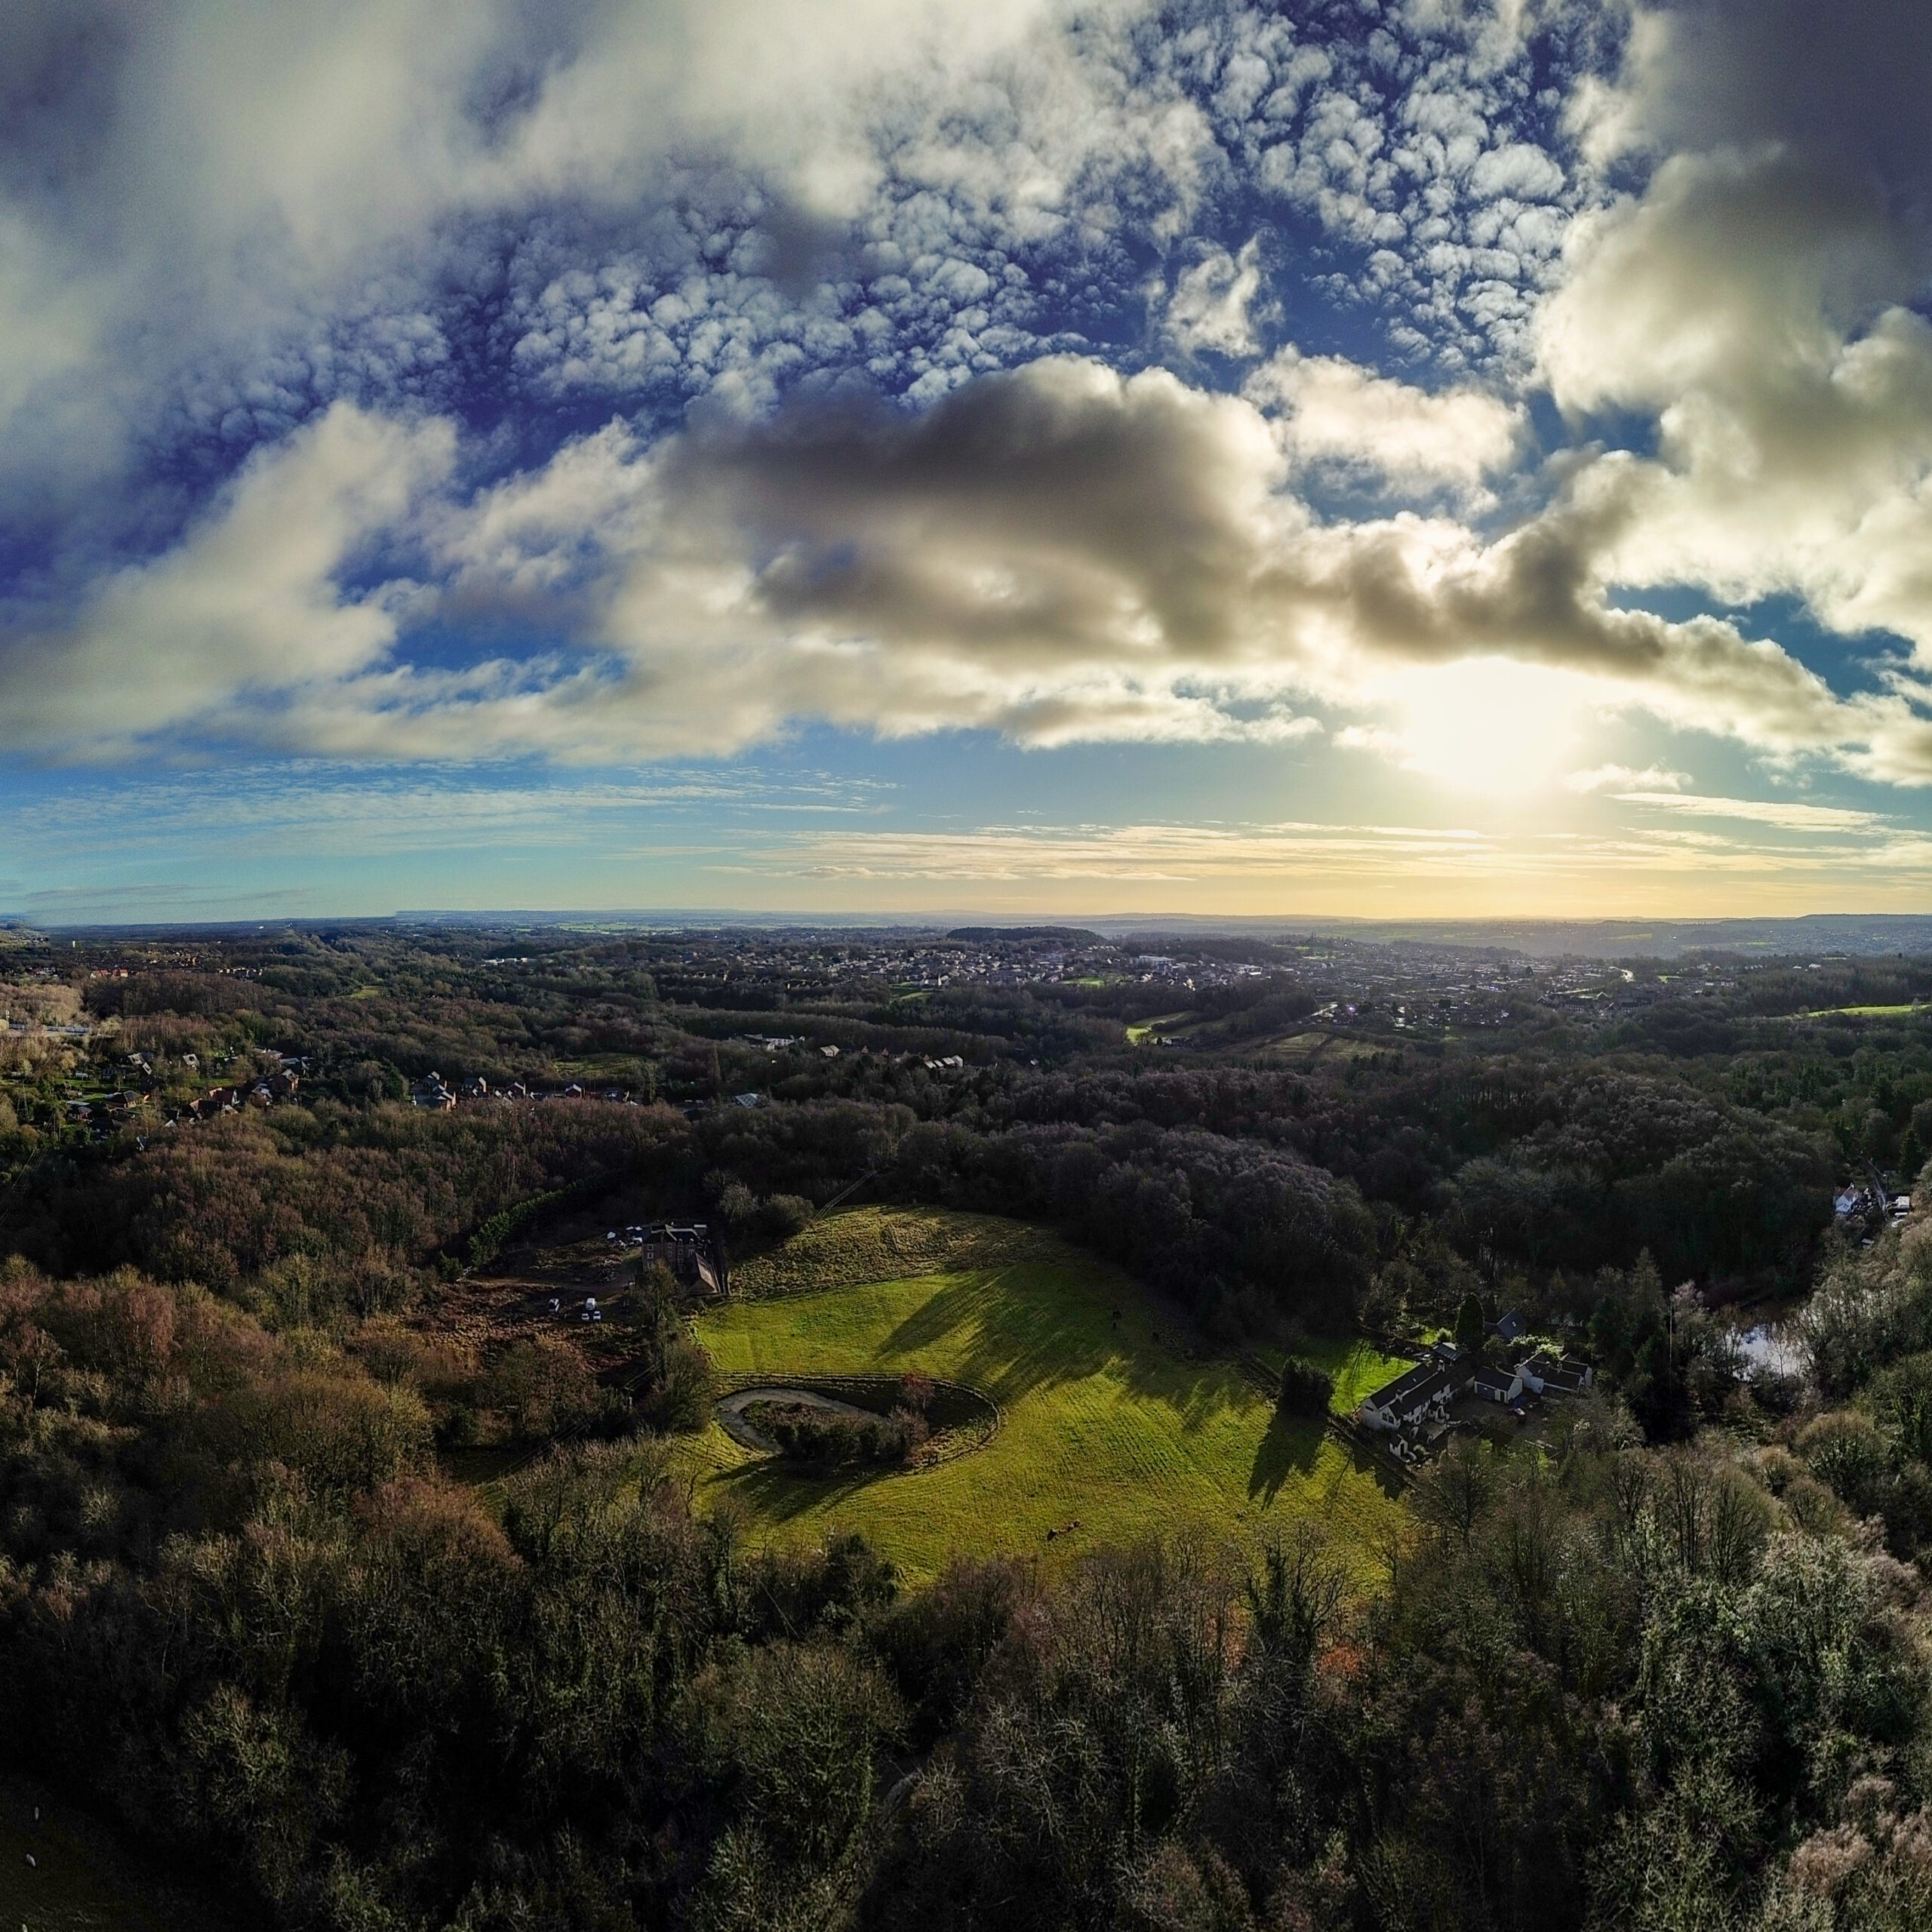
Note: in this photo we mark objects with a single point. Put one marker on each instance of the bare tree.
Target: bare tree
(1457, 1493)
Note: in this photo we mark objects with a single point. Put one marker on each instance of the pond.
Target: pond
(1768, 1349)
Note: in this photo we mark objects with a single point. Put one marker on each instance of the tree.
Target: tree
(1471, 1326)
(674, 1381)
(1457, 1493)
(1306, 1389)
(1296, 1598)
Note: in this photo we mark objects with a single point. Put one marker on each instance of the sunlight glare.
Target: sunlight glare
(1488, 725)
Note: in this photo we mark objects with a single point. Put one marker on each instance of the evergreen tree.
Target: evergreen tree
(1470, 1323)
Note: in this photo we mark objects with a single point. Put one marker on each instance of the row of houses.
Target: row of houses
(263, 1093)
(433, 1092)
(1420, 1398)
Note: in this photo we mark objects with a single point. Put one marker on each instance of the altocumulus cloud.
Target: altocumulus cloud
(294, 361)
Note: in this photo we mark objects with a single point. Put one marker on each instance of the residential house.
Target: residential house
(695, 1257)
(1412, 1407)
(1429, 1386)
(1500, 1386)
(431, 1092)
(1550, 1376)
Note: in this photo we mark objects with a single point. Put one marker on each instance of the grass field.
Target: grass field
(1358, 1367)
(1103, 1423)
(1864, 1012)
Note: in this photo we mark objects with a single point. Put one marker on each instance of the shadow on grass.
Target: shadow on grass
(1031, 1328)
(1290, 1447)
(778, 1493)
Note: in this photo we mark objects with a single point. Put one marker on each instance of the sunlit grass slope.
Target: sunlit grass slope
(1359, 1368)
(1104, 1424)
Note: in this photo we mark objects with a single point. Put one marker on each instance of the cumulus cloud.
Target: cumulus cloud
(1760, 300)
(1058, 554)
(247, 610)
(1335, 411)
(1756, 307)
(327, 238)
(1699, 75)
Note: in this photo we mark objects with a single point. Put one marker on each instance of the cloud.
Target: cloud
(1788, 813)
(850, 231)
(1060, 554)
(1700, 75)
(1756, 307)
(1161, 854)
(1622, 778)
(246, 610)
(1334, 411)
(1209, 307)
(216, 221)
(1516, 169)
(1302, 868)
(1739, 271)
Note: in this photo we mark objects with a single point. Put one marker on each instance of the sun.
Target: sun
(1487, 725)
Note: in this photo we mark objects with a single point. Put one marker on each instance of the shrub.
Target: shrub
(782, 1216)
(340, 1434)
(826, 1439)
(1306, 1389)
(913, 1428)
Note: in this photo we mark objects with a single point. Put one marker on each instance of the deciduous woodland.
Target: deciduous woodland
(375, 1602)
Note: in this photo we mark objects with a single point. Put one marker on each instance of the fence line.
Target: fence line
(946, 1446)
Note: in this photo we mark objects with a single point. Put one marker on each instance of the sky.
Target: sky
(1400, 457)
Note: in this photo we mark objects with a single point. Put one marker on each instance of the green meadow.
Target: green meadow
(1106, 1423)
(1358, 1368)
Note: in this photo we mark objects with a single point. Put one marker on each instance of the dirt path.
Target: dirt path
(729, 1411)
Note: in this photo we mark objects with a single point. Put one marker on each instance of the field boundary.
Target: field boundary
(1258, 1374)
(947, 1446)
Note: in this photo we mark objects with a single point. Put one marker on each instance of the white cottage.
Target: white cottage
(1413, 1395)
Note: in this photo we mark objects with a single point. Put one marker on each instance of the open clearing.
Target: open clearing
(1105, 1426)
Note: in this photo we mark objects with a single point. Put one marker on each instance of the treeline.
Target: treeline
(241, 1607)
(1243, 1232)
(318, 1210)
(1254, 1197)
(1546, 1167)
(1520, 1166)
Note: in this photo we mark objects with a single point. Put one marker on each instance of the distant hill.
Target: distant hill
(1814, 935)
(1053, 935)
